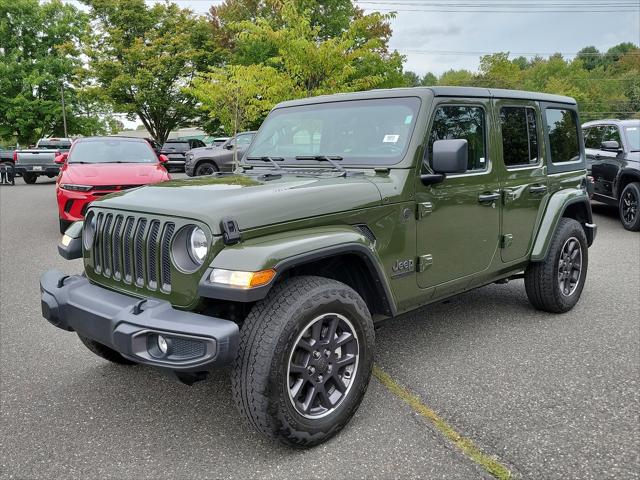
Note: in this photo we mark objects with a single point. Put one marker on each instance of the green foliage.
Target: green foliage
(283, 54)
(605, 85)
(41, 45)
(142, 58)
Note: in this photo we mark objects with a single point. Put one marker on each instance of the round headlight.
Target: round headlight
(89, 230)
(198, 247)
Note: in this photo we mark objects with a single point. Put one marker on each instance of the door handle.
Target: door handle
(488, 197)
(537, 188)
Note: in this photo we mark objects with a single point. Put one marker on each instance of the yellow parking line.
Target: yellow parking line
(489, 463)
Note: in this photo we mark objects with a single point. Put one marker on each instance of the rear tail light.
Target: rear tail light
(15, 156)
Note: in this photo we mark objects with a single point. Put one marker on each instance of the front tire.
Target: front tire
(555, 284)
(629, 207)
(105, 352)
(30, 178)
(205, 168)
(304, 360)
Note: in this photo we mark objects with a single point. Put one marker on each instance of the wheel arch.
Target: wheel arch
(626, 177)
(340, 253)
(568, 203)
(202, 160)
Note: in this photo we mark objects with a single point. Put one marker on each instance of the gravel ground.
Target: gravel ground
(551, 396)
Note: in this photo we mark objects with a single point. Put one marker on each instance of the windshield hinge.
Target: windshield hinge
(230, 231)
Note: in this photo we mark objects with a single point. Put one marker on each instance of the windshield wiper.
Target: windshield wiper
(325, 158)
(271, 160)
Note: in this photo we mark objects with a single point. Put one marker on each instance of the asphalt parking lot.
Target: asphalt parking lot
(547, 396)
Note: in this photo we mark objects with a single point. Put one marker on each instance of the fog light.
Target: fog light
(162, 345)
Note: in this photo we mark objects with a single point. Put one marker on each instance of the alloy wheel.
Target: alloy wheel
(629, 204)
(323, 365)
(570, 266)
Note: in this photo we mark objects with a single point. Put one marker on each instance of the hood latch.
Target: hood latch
(230, 231)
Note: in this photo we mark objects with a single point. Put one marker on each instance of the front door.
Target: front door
(522, 175)
(458, 227)
(605, 165)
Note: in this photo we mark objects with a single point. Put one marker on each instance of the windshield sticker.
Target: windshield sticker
(391, 139)
(631, 129)
(407, 119)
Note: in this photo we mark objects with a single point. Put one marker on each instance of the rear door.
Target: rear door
(523, 178)
(606, 164)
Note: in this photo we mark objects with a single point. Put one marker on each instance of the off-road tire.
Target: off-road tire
(64, 224)
(30, 178)
(105, 352)
(259, 379)
(541, 278)
(205, 168)
(632, 190)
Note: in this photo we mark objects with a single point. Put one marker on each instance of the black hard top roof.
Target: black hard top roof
(435, 91)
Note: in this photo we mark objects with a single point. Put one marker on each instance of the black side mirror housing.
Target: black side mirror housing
(450, 156)
(610, 146)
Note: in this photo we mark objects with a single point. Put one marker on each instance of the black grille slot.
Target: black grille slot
(134, 250)
(152, 252)
(138, 251)
(106, 245)
(184, 348)
(97, 245)
(117, 248)
(126, 244)
(165, 250)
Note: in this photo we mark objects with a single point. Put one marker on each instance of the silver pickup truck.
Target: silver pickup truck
(40, 160)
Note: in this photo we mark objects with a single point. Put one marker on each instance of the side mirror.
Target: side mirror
(229, 146)
(610, 146)
(450, 156)
(163, 158)
(60, 159)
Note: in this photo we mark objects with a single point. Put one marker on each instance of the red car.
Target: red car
(97, 166)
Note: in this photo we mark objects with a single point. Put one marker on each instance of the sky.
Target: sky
(437, 41)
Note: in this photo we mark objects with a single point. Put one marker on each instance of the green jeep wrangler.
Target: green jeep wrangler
(346, 210)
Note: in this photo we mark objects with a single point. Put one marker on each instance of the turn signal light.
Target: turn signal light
(239, 279)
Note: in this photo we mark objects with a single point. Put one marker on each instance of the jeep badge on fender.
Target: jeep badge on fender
(351, 209)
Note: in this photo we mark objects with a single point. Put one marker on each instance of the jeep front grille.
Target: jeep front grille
(134, 250)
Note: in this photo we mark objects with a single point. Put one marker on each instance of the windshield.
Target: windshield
(360, 131)
(633, 138)
(112, 151)
(176, 147)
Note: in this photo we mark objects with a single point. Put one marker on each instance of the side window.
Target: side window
(244, 140)
(461, 122)
(611, 133)
(592, 137)
(562, 129)
(519, 136)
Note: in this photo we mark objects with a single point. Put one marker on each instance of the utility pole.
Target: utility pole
(64, 112)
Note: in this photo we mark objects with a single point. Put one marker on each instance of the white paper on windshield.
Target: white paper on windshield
(391, 138)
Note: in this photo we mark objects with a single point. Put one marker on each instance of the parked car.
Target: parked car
(98, 166)
(208, 160)
(6, 156)
(613, 160)
(175, 150)
(155, 146)
(40, 160)
(353, 209)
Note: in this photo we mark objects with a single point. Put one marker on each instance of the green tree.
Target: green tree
(40, 47)
(497, 71)
(429, 80)
(142, 58)
(591, 57)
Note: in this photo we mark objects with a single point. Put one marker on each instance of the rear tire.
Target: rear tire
(64, 224)
(105, 352)
(555, 284)
(629, 207)
(30, 178)
(304, 360)
(205, 168)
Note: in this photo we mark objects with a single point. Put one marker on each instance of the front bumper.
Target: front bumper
(131, 325)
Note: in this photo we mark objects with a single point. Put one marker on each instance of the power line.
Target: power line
(541, 54)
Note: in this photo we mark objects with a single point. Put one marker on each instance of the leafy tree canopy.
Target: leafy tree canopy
(142, 57)
(40, 47)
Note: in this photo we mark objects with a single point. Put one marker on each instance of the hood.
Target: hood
(114, 173)
(633, 156)
(252, 201)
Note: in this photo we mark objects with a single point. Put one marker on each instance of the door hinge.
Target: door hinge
(507, 240)
(508, 195)
(424, 209)
(424, 262)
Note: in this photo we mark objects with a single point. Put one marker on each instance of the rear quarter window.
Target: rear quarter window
(562, 134)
